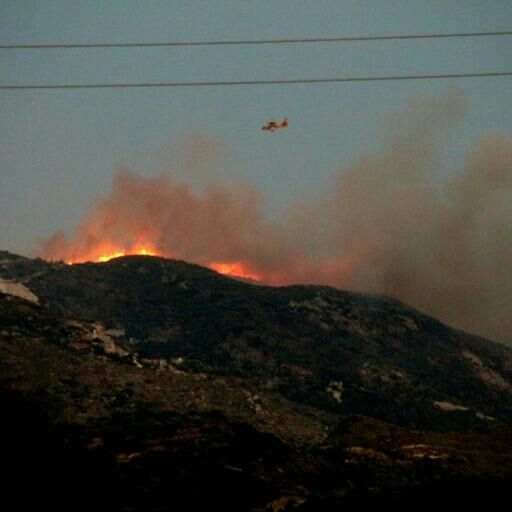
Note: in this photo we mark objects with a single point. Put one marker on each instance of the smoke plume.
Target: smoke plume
(388, 224)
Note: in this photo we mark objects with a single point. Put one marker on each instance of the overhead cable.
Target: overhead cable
(346, 39)
(253, 82)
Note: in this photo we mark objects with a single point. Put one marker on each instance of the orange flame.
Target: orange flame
(106, 253)
(235, 270)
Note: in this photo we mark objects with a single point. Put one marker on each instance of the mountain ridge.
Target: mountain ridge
(312, 343)
(158, 385)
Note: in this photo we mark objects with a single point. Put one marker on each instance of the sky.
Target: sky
(61, 148)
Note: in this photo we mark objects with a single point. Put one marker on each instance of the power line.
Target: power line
(254, 82)
(254, 41)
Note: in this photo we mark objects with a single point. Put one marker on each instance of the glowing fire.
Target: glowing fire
(103, 254)
(235, 270)
(106, 257)
(107, 252)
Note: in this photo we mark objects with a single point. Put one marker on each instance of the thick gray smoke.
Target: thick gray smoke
(446, 249)
(388, 224)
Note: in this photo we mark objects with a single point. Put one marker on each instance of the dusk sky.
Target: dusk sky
(61, 148)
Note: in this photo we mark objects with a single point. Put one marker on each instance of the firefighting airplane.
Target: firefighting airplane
(272, 126)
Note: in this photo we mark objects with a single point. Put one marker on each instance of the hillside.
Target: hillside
(148, 379)
(335, 350)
